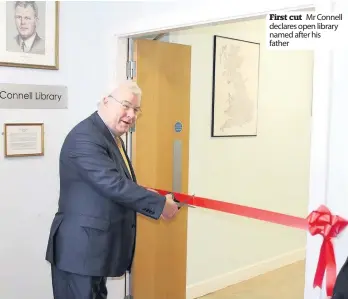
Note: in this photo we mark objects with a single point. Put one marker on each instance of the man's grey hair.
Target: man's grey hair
(130, 86)
(28, 3)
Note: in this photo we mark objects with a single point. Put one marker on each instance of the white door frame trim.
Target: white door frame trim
(212, 21)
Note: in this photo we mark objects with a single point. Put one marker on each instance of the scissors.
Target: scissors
(182, 203)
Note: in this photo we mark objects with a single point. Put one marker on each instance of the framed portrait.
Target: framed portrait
(29, 31)
(24, 139)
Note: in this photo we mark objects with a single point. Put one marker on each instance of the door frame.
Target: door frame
(320, 122)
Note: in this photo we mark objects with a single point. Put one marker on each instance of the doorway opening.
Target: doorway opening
(268, 169)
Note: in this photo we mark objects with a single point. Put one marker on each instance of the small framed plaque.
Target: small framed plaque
(24, 139)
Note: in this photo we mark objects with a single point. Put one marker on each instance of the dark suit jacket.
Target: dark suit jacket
(93, 232)
(341, 284)
(38, 46)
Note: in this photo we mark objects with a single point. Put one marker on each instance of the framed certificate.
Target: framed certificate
(24, 139)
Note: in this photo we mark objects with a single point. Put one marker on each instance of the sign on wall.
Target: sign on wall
(30, 96)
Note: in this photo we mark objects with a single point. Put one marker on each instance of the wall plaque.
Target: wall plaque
(23, 140)
(29, 96)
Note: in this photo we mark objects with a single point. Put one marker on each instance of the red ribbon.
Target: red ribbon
(322, 222)
(318, 222)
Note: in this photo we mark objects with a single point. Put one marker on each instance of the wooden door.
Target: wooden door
(160, 149)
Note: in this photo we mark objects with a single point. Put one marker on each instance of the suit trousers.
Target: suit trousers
(73, 286)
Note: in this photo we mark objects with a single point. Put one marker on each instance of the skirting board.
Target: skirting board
(217, 283)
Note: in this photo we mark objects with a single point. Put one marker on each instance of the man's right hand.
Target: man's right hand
(170, 208)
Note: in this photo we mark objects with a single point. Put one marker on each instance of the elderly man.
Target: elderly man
(92, 236)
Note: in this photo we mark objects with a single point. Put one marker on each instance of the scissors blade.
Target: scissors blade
(183, 203)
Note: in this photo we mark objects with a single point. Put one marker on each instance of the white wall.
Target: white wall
(29, 186)
(169, 14)
(337, 182)
(270, 171)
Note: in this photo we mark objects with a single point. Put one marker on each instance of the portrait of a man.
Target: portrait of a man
(24, 36)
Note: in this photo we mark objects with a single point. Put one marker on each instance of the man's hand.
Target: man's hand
(170, 208)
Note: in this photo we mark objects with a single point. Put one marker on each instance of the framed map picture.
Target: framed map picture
(29, 33)
(235, 87)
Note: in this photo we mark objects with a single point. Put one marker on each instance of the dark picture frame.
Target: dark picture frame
(235, 87)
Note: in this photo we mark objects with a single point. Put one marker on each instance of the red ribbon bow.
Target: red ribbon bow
(322, 222)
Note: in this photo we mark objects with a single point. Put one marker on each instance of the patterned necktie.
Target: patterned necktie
(119, 145)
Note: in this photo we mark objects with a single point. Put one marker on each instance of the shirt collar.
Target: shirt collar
(28, 43)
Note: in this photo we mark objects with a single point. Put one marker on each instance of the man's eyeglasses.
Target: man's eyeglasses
(126, 105)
